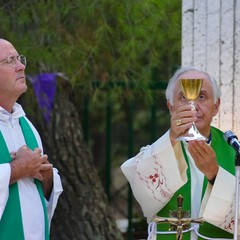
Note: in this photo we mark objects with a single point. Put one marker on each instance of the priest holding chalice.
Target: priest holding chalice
(185, 181)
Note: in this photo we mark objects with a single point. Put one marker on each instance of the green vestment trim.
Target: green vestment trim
(11, 222)
(225, 157)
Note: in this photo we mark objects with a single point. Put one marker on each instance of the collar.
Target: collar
(209, 138)
(17, 112)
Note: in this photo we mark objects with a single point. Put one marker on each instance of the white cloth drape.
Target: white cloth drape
(159, 170)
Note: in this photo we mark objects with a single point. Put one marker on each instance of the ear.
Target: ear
(216, 107)
(170, 107)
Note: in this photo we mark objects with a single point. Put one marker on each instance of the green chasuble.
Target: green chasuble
(226, 159)
(11, 227)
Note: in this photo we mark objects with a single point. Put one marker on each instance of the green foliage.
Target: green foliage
(104, 47)
(93, 40)
(111, 51)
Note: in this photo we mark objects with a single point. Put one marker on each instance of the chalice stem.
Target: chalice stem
(194, 127)
(193, 108)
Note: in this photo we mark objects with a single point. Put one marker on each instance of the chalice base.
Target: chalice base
(193, 134)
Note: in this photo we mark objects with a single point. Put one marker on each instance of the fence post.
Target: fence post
(108, 145)
(130, 153)
(153, 120)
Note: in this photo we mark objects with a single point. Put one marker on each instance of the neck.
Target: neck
(7, 107)
(7, 102)
(206, 132)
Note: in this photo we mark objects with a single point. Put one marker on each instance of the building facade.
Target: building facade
(211, 41)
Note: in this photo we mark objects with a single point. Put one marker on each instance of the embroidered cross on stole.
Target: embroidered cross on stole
(225, 156)
(11, 226)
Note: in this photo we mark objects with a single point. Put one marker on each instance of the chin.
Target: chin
(23, 89)
(204, 130)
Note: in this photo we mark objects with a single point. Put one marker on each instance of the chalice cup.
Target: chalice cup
(191, 89)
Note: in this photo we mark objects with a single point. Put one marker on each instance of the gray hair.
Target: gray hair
(182, 70)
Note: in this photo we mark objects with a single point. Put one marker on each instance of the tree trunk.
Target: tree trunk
(83, 212)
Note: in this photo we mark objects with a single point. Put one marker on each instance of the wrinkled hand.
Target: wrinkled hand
(29, 164)
(186, 116)
(204, 158)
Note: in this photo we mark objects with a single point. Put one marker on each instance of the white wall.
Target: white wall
(211, 41)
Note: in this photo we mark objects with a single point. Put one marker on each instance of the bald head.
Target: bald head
(7, 49)
(4, 41)
(3, 44)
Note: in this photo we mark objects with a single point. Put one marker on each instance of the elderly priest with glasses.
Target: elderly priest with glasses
(29, 185)
(200, 170)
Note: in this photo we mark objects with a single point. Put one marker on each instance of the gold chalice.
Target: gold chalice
(191, 89)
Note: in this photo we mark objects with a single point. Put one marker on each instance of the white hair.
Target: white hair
(182, 70)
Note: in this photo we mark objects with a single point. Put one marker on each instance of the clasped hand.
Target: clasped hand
(27, 163)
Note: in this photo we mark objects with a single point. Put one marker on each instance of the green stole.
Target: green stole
(11, 226)
(226, 159)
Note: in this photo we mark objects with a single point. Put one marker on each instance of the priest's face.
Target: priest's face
(206, 108)
(12, 75)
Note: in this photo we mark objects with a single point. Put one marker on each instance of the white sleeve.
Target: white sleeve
(219, 200)
(5, 172)
(155, 174)
(56, 191)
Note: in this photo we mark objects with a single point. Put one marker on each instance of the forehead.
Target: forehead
(6, 49)
(194, 74)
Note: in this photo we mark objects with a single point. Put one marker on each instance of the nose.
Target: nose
(196, 104)
(19, 66)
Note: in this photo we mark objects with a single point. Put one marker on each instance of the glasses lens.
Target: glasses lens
(22, 59)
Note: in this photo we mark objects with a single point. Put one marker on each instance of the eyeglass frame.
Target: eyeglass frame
(12, 60)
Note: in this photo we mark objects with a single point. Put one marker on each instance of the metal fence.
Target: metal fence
(157, 124)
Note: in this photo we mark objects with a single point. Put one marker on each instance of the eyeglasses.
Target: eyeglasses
(12, 61)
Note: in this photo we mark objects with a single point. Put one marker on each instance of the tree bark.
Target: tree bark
(83, 212)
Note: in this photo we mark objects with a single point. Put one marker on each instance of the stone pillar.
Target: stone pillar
(211, 41)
